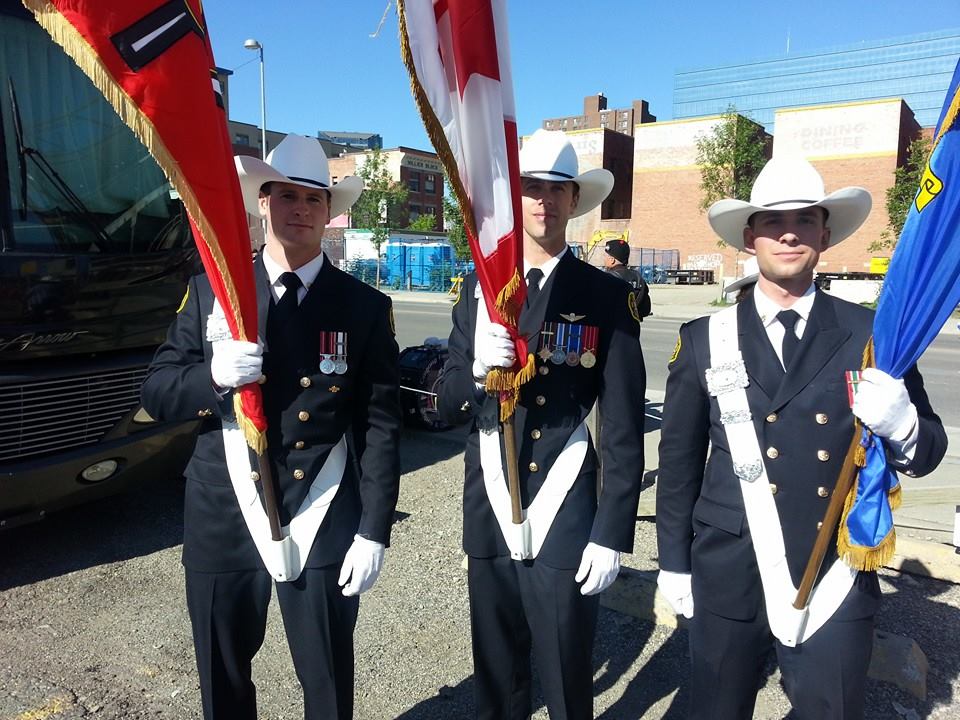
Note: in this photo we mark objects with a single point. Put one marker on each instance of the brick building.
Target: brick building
(420, 171)
(860, 143)
(596, 116)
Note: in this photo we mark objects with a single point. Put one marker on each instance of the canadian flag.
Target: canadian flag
(459, 62)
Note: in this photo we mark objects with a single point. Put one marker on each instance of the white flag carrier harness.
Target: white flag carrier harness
(727, 381)
(283, 558)
(525, 540)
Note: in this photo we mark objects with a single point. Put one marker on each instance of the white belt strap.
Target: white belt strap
(283, 559)
(525, 540)
(727, 381)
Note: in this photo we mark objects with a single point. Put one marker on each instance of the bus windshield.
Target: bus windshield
(78, 180)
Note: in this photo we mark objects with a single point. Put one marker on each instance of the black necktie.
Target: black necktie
(281, 313)
(788, 318)
(534, 276)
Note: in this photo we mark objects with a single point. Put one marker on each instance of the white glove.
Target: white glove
(235, 363)
(599, 566)
(883, 405)
(676, 588)
(494, 349)
(361, 566)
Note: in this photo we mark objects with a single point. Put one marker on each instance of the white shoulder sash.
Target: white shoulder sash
(727, 381)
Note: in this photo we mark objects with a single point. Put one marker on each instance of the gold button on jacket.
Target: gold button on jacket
(298, 474)
(298, 445)
(773, 453)
(541, 400)
(535, 434)
(533, 467)
(772, 417)
(305, 382)
(303, 416)
(254, 476)
(823, 455)
(822, 491)
(822, 418)
(773, 489)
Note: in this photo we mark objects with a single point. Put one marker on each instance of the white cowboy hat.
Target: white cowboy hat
(751, 271)
(548, 155)
(791, 183)
(297, 160)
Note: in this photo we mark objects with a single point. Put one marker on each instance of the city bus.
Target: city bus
(95, 252)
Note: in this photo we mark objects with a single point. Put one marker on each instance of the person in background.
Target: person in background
(615, 262)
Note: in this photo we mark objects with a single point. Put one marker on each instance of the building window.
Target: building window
(430, 184)
(414, 212)
(241, 139)
(549, 124)
(563, 123)
(603, 124)
(429, 210)
(413, 182)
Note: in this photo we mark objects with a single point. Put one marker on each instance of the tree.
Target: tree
(423, 223)
(730, 157)
(456, 232)
(900, 195)
(381, 204)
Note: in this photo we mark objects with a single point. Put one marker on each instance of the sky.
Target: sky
(324, 71)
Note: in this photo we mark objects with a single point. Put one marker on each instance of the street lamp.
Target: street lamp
(251, 44)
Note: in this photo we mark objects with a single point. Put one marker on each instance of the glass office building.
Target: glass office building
(917, 68)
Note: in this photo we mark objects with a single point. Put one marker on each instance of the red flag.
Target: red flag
(459, 63)
(153, 61)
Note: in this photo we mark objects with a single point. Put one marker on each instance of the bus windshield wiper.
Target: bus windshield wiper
(24, 153)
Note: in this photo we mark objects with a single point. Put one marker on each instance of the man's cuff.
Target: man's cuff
(901, 452)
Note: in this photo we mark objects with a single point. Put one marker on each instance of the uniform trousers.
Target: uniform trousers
(228, 612)
(516, 607)
(824, 677)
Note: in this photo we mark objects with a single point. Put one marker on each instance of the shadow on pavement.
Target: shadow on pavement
(106, 531)
(422, 448)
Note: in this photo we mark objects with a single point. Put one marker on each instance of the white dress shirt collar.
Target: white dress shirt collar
(307, 274)
(767, 309)
(547, 267)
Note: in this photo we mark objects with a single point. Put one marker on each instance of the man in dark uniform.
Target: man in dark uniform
(583, 326)
(734, 536)
(615, 263)
(329, 376)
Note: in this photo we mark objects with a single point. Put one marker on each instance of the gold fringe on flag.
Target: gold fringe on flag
(860, 557)
(80, 51)
(948, 119)
(255, 439)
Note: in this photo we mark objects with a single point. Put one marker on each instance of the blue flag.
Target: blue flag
(921, 289)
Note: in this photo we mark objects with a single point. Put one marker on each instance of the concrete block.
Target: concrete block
(899, 660)
(635, 593)
(929, 559)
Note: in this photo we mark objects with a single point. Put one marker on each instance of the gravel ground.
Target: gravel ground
(93, 624)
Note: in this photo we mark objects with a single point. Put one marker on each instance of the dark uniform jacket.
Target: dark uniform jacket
(636, 281)
(551, 406)
(307, 413)
(804, 425)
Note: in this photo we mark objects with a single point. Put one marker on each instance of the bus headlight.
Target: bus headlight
(99, 471)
